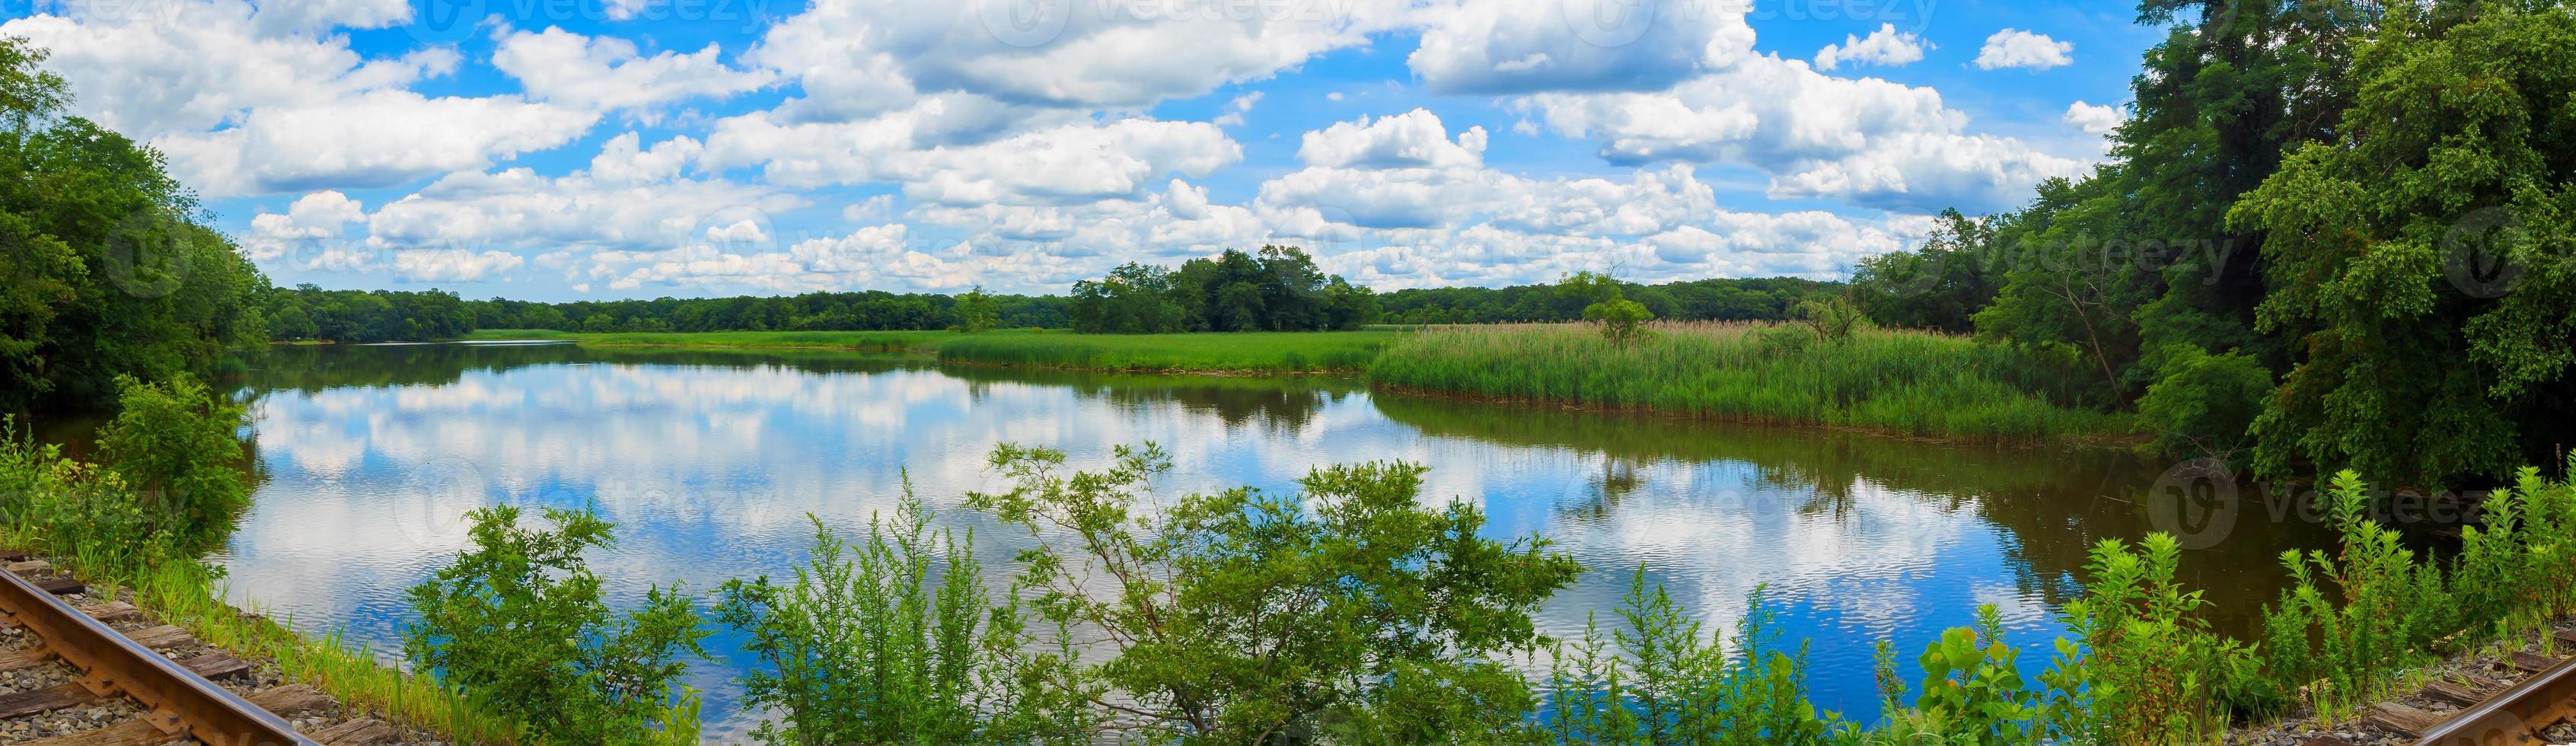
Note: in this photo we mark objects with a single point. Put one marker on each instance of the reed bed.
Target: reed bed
(1205, 352)
(1905, 382)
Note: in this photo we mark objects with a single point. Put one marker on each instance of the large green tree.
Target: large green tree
(109, 267)
(2423, 262)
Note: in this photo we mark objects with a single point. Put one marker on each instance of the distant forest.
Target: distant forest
(306, 312)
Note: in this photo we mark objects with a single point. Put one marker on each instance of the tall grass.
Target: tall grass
(1911, 383)
(869, 341)
(1244, 352)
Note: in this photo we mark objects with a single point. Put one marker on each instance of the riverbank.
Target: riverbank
(1899, 382)
(85, 522)
(1911, 384)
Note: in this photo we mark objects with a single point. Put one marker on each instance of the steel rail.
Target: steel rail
(2514, 716)
(179, 703)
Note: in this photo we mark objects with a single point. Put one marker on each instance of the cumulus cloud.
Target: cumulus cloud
(2093, 119)
(1519, 46)
(456, 265)
(256, 100)
(2011, 48)
(1886, 46)
(1869, 142)
(1235, 109)
(1412, 139)
(608, 73)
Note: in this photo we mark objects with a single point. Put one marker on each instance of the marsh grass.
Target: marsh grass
(1904, 382)
(1206, 352)
(876, 341)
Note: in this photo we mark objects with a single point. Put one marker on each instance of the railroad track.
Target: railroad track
(2490, 712)
(111, 671)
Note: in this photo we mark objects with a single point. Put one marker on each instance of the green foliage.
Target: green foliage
(1668, 684)
(1622, 321)
(1283, 352)
(175, 444)
(977, 312)
(864, 647)
(1909, 382)
(2203, 403)
(518, 622)
(1279, 290)
(1939, 286)
(2423, 269)
(2149, 670)
(1244, 616)
(106, 265)
(2392, 607)
(1721, 299)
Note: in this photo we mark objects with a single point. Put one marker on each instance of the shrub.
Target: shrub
(1665, 683)
(863, 648)
(177, 445)
(2392, 608)
(518, 622)
(2203, 403)
(1244, 616)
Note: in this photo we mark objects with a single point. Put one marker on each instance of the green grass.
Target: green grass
(1910, 383)
(1236, 352)
(881, 341)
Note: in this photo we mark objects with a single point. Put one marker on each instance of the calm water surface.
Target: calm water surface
(709, 462)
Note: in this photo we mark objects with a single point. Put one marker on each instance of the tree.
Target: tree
(1938, 286)
(110, 268)
(1621, 320)
(2421, 266)
(975, 311)
(1236, 616)
(519, 619)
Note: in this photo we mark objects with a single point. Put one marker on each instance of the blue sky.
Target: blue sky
(565, 149)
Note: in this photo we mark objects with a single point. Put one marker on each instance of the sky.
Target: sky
(577, 149)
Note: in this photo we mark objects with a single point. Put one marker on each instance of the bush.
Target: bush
(518, 622)
(1667, 684)
(2204, 403)
(178, 445)
(2392, 608)
(1243, 616)
(863, 648)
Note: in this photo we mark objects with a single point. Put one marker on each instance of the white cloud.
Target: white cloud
(1073, 163)
(1516, 46)
(1866, 141)
(862, 57)
(313, 220)
(1235, 109)
(376, 139)
(452, 265)
(256, 101)
(2093, 119)
(1412, 139)
(1886, 46)
(608, 73)
(2017, 48)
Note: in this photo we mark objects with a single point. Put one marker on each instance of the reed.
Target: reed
(1208, 352)
(1904, 382)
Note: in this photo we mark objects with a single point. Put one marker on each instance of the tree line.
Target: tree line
(2333, 235)
(307, 312)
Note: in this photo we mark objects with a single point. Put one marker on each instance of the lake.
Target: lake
(710, 461)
